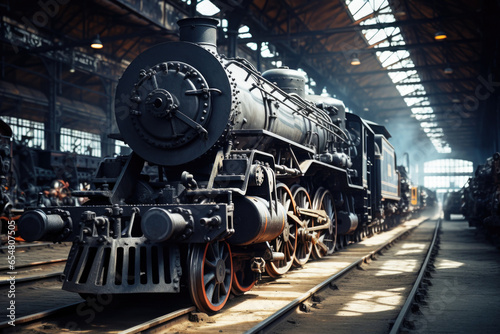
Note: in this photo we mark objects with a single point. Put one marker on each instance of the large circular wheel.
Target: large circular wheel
(304, 242)
(243, 277)
(286, 242)
(323, 200)
(210, 275)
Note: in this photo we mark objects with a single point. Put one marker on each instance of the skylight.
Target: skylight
(368, 12)
(204, 7)
(207, 8)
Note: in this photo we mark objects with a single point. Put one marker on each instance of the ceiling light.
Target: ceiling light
(72, 62)
(355, 60)
(399, 12)
(96, 43)
(440, 35)
(448, 70)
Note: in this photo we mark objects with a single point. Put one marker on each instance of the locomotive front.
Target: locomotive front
(173, 103)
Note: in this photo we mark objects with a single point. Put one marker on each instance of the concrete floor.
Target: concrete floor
(465, 292)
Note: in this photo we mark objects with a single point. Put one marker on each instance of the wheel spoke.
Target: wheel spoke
(304, 245)
(286, 242)
(225, 257)
(210, 264)
(209, 291)
(215, 250)
(323, 200)
(223, 288)
(208, 277)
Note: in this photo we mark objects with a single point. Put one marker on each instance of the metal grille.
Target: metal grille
(124, 266)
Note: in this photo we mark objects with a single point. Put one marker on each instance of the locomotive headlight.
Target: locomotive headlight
(159, 225)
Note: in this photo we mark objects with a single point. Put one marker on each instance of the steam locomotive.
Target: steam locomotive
(481, 197)
(250, 175)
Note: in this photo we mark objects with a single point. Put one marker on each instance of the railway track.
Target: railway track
(314, 297)
(366, 300)
(270, 302)
(34, 271)
(28, 245)
(33, 262)
(419, 287)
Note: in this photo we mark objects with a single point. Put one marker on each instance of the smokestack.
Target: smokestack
(199, 30)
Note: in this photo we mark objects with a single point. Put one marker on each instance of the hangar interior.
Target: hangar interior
(427, 70)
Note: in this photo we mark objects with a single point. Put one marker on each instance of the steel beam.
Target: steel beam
(349, 29)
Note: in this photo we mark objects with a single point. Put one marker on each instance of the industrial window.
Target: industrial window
(121, 148)
(445, 175)
(80, 142)
(29, 132)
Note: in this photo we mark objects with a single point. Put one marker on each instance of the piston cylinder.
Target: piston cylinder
(347, 222)
(37, 225)
(254, 222)
(159, 224)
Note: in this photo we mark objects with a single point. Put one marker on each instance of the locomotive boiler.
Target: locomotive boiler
(246, 174)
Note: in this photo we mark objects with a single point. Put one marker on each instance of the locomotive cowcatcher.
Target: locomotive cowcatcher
(233, 173)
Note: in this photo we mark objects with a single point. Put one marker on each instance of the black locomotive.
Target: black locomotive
(481, 198)
(251, 175)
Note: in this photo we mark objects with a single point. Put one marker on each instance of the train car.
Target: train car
(251, 176)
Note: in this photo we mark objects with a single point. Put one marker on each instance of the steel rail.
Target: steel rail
(33, 264)
(31, 278)
(411, 297)
(45, 244)
(39, 315)
(265, 325)
(159, 320)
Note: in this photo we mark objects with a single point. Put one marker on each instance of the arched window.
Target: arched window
(446, 175)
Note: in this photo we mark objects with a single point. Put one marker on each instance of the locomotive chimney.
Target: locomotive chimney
(199, 30)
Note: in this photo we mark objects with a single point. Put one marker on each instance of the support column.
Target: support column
(108, 144)
(52, 124)
(232, 35)
(259, 53)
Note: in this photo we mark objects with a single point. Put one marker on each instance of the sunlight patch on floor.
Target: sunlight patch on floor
(447, 264)
(395, 267)
(371, 302)
(411, 248)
